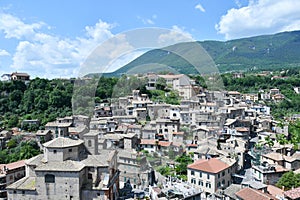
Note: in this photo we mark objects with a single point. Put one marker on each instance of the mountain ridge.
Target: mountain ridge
(264, 52)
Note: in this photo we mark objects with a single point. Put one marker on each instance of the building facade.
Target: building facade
(209, 175)
(67, 171)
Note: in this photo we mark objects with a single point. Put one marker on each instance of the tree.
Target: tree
(289, 180)
(161, 84)
(12, 143)
(183, 160)
(282, 140)
(27, 151)
(13, 122)
(269, 141)
(164, 170)
(294, 133)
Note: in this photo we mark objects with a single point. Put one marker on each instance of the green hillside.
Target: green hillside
(276, 51)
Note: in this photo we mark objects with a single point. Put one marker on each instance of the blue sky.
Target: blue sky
(53, 38)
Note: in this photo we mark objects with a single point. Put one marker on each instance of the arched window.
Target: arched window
(49, 178)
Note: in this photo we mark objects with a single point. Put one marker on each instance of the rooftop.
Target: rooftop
(64, 166)
(275, 191)
(19, 74)
(57, 124)
(212, 165)
(148, 141)
(97, 160)
(274, 156)
(36, 160)
(164, 143)
(62, 142)
(250, 194)
(11, 166)
(293, 193)
(26, 183)
(171, 76)
(42, 132)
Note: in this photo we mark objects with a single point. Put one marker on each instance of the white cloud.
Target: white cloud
(260, 17)
(4, 53)
(13, 27)
(199, 7)
(148, 21)
(174, 36)
(49, 56)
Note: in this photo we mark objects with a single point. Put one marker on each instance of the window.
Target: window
(208, 185)
(89, 143)
(200, 174)
(192, 172)
(193, 181)
(70, 150)
(223, 173)
(90, 176)
(54, 151)
(49, 178)
(208, 177)
(200, 183)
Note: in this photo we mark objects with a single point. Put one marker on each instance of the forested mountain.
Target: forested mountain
(269, 52)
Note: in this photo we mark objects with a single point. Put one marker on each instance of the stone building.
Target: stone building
(67, 170)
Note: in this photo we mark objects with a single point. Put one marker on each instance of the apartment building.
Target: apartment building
(209, 175)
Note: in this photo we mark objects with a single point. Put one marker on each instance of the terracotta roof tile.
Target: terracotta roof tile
(250, 194)
(164, 143)
(192, 145)
(293, 193)
(274, 191)
(11, 166)
(212, 165)
(178, 133)
(147, 141)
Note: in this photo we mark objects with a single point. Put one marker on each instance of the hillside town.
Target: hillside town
(213, 145)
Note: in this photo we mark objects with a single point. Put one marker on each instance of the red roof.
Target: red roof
(164, 143)
(11, 166)
(274, 191)
(178, 133)
(242, 129)
(212, 165)
(147, 141)
(250, 194)
(293, 193)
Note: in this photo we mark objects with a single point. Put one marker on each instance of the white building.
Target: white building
(209, 175)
